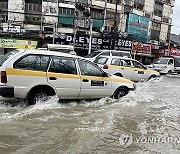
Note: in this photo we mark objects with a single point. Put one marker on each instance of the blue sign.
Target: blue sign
(138, 26)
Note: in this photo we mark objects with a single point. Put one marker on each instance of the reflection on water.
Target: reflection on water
(145, 121)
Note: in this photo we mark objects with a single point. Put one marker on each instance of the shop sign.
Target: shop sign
(14, 43)
(7, 28)
(141, 48)
(82, 42)
(174, 52)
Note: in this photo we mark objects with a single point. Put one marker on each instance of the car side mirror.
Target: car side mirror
(105, 74)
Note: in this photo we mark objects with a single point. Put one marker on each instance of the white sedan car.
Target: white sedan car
(125, 67)
(37, 74)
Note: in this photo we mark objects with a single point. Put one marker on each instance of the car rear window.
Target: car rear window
(6, 56)
(105, 53)
(121, 54)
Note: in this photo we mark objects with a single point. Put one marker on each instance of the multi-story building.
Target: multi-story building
(146, 21)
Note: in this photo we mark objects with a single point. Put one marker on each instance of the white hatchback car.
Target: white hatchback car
(37, 74)
(125, 67)
(110, 53)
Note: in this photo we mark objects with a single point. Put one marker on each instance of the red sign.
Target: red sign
(174, 52)
(141, 48)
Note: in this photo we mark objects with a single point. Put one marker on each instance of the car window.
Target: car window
(126, 63)
(121, 54)
(161, 61)
(137, 65)
(89, 69)
(63, 65)
(105, 53)
(177, 62)
(170, 62)
(116, 62)
(101, 60)
(93, 54)
(6, 56)
(32, 62)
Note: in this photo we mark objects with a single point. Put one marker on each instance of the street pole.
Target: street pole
(104, 18)
(41, 28)
(90, 28)
(75, 26)
(56, 22)
(90, 35)
(115, 26)
(54, 30)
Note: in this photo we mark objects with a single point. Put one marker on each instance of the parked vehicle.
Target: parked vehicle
(98, 53)
(125, 67)
(60, 48)
(167, 64)
(36, 74)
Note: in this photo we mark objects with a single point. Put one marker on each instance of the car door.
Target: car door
(125, 67)
(93, 82)
(63, 76)
(139, 71)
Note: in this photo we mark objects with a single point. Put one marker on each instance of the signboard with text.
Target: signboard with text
(140, 48)
(174, 52)
(14, 43)
(82, 42)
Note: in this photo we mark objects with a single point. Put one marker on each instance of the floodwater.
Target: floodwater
(145, 121)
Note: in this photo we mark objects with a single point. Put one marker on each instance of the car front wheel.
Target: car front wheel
(120, 92)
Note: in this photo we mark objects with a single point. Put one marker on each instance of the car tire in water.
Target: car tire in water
(120, 92)
(169, 72)
(39, 95)
(152, 77)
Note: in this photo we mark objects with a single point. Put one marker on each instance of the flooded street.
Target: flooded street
(145, 121)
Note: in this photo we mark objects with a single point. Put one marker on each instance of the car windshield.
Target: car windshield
(101, 60)
(161, 61)
(93, 54)
(6, 56)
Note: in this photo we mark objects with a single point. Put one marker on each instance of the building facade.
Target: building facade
(49, 21)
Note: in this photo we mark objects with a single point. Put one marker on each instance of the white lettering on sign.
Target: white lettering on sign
(69, 38)
(81, 39)
(124, 43)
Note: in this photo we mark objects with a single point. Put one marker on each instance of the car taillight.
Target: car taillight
(105, 66)
(3, 77)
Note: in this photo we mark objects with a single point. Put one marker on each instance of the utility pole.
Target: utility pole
(90, 35)
(41, 28)
(55, 25)
(90, 27)
(75, 25)
(104, 18)
(86, 14)
(115, 26)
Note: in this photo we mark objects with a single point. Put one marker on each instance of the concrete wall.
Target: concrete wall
(16, 6)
